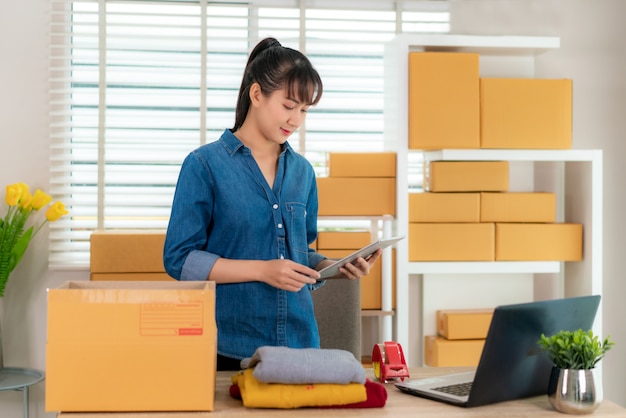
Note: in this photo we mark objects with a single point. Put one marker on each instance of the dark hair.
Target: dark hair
(274, 67)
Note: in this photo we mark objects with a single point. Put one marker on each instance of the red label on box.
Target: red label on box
(167, 319)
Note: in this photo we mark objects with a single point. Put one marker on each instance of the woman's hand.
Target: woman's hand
(360, 267)
(287, 274)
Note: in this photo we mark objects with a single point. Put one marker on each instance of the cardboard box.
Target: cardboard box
(127, 252)
(440, 352)
(539, 242)
(525, 113)
(518, 207)
(451, 242)
(343, 240)
(362, 164)
(464, 324)
(444, 100)
(467, 176)
(444, 207)
(359, 196)
(131, 346)
(138, 277)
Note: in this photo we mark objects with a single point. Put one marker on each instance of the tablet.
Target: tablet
(332, 271)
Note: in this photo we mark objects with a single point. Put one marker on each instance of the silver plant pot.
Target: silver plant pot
(574, 391)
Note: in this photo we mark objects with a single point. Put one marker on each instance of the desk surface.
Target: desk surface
(398, 404)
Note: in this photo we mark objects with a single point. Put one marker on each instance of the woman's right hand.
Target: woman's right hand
(287, 274)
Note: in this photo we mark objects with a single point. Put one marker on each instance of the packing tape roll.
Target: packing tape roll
(388, 362)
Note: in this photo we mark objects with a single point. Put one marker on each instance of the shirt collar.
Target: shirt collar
(233, 144)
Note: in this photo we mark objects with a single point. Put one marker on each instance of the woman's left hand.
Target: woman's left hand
(360, 267)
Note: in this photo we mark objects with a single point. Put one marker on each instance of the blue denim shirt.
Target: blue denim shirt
(224, 207)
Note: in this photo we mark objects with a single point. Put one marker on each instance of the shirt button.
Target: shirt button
(282, 257)
(275, 206)
(280, 226)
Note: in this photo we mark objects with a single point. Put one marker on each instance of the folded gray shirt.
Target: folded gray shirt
(304, 366)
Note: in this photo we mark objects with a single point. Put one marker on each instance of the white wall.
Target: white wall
(592, 53)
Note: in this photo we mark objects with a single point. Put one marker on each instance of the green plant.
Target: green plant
(575, 349)
(14, 234)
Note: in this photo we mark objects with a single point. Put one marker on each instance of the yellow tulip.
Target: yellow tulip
(55, 211)
(40, 199)
(26, 200)
(14, 193)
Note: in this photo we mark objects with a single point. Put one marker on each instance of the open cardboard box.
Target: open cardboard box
(131, 346)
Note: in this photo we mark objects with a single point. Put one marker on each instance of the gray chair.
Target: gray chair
(338, 313)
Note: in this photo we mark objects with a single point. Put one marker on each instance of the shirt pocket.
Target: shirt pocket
(296, 234)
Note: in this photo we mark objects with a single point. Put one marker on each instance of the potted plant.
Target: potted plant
(572, 388)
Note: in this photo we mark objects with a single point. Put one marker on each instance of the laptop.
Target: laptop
(512, 364)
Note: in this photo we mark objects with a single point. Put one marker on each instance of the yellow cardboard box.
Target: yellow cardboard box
(358, 196)
(467, 176)
(127, 252)
(525, 113)
(451, 241)
(131, 346)
(362, 164)
(343, 240)
(539, 242)
(444, 100)
(440, 352)
(518, 207)
(444, 207)
(464, 324)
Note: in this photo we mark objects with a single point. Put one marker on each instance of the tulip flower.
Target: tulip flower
(40, 199)
(15, 236)
(55, 211)
(14, 193)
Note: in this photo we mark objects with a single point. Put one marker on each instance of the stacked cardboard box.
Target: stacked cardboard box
(489, 226)
(451, 106)
(467, 212)
(359, 184)
(460, 337)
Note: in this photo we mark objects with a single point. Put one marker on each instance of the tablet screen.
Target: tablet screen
(332, 271)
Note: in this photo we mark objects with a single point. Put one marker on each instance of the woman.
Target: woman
(245, 213)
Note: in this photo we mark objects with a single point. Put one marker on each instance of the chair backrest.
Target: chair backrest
(338, 313)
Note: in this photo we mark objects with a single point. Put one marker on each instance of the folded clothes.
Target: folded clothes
(376, 397)
(256, 394)
(375, 392)
(304, 365)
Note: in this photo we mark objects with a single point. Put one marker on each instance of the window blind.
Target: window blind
(136, 85)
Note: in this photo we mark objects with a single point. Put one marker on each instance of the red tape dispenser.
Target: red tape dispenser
(388, 362)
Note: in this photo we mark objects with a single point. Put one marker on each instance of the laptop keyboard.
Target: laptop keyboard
(459, 389)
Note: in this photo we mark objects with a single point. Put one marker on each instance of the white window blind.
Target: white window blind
(136, 85)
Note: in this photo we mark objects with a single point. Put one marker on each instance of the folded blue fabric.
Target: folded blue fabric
(304, 366)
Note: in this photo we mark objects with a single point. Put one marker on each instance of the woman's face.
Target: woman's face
(279, 116)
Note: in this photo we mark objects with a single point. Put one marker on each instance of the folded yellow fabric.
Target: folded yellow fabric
(255, 394)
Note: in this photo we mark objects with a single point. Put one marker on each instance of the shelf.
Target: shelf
(483, 267)
(574, 175)
(375, 312)
(512, 155)
(484, 45)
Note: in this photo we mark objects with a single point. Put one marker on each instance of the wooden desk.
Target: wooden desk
(398, 405)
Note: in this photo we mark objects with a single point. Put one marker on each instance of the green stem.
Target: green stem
(12, 230)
